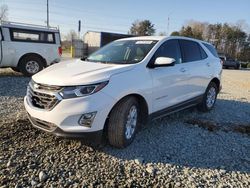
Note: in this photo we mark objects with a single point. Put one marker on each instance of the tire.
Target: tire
(119, 134)
(31, 65)
(15, 69)
(209, 98)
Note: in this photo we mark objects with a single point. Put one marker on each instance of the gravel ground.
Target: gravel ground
(186, 149)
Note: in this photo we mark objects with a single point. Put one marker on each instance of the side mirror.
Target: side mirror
(164, 61)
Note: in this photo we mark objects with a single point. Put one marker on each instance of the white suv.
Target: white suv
(116, 89)
(28, 48)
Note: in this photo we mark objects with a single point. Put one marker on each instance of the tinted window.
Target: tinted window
(211, 49)
(203, 53)
(191, 51)
(170, 49)
(24, 35)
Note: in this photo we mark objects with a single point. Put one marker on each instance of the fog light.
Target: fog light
(86, 120)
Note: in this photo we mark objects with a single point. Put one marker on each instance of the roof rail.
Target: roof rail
(27, 24)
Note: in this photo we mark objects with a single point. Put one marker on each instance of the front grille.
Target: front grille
(43, 96)
(42, 124)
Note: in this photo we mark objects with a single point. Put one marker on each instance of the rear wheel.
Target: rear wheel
(209, 98)
(31, 65)
(123, 122)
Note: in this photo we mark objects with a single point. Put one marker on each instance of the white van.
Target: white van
(28, 48)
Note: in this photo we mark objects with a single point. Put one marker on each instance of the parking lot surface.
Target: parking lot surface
(185, 149)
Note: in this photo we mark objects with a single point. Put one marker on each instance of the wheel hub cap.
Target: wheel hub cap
(211, 97)
(131, 122)
(32, 67)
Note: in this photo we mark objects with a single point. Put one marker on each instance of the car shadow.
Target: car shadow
(174, 140)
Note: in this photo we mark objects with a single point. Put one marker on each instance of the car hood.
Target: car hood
(77, 72)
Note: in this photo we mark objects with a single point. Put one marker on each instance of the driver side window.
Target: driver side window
(170, 49)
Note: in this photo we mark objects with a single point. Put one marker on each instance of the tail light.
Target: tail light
(60, 50)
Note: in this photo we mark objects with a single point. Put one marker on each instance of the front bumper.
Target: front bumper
(53, 129)
(63, 119)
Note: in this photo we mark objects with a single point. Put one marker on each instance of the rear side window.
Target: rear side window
(192, 51)
(169, 49)
(211, 49)
(23, 35)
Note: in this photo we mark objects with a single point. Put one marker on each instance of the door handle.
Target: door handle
(183, 69)
(208, 64)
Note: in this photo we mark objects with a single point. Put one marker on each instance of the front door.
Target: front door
(169, 83)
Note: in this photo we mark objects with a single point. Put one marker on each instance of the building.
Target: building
(94, 40)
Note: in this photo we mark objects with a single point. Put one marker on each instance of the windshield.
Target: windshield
(123, 52)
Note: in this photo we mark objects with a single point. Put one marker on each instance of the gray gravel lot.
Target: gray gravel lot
(186, 149)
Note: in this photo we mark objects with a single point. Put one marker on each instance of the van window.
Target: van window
(169, 49)
(191, 51)
(23, 35)
(50, 37)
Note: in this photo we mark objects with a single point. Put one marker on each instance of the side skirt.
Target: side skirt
(175, 108)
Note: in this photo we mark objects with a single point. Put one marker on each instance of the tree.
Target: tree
(70, 36)
(142, 28)
(230, 39)
(4, 13)
(187, 32)
(175, 33)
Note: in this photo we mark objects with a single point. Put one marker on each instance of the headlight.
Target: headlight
(80, 91)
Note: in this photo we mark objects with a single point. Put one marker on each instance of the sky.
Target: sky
(117, 16)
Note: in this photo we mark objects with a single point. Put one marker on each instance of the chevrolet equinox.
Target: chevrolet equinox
(119, 87)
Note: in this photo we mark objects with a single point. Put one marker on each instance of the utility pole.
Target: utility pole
(47, 13)
(169, 23)
(168, 26)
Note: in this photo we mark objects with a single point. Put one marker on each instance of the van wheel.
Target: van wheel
(15, 69)
(31, 65)
(123, 122)
(209, 98)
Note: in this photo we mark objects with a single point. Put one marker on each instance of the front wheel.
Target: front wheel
(209, 98)
(123, 122)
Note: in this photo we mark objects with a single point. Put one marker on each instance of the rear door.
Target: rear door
(197, 64)
(169, 83)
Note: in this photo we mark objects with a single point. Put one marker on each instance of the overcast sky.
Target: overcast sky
(117, 15)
